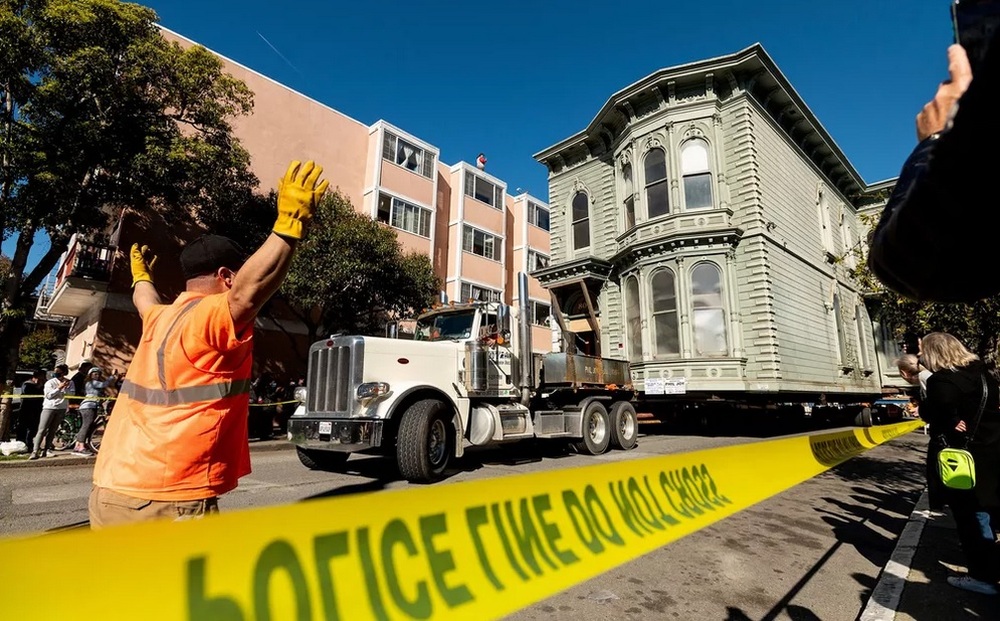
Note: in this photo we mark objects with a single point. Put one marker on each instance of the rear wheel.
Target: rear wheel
(424, 443)
(317, 459)
(596, 429)
(624, 425)
(864, 418)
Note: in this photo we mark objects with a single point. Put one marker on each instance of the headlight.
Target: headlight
(299, 394)
(372, 390)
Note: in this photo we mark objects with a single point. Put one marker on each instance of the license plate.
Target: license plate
(325, 428)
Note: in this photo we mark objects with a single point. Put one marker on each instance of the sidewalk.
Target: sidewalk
(913, 585)
(66, 458)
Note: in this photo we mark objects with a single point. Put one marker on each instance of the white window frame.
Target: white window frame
(573, 223)
(654, 314)
(533, 209)
(721, 307)
(533, 256)
(496, 243)
(390, 152)
(395, 204)
(492, 295)
(534, 313)
(706, 171)
(471, 179)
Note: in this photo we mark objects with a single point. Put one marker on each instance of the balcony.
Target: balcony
(81, 279)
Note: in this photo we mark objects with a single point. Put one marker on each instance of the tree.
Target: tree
(976, 325)
(351, 275)
(38, 349)
(98, 110)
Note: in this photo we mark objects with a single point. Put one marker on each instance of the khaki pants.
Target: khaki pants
(109, 508)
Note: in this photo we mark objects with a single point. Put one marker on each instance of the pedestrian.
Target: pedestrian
(93, 390)
(942, 202)
(913, 373)
(53, 411)
(178, 437)
(31, 408)
(955, 408)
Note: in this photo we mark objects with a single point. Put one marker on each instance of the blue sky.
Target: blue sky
(511, 78)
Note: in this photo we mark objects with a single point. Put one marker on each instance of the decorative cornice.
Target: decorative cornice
(578, 269)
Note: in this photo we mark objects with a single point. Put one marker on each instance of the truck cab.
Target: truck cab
(468, 378)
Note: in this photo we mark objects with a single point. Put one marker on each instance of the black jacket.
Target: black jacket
(955, 395)
(937, 237)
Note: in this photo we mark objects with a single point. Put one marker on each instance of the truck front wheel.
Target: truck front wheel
(596, 429)
(317, 459)
(624, 425)
(424, 443)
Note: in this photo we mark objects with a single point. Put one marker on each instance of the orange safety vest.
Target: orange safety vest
(179, 427)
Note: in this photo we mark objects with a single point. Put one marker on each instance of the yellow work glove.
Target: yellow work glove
(143, 260)
(298, 194)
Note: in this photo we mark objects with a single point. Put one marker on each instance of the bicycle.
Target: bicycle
(65, 436)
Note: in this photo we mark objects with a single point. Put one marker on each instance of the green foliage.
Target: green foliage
(976, 325)
(38, 349)
(99, 112)
(350, 273)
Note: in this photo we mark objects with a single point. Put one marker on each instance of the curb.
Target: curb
(64, 460)
(888, 592)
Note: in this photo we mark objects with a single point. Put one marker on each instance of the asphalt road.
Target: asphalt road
(813, 552)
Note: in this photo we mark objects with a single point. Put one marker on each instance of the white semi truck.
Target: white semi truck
(469, 378)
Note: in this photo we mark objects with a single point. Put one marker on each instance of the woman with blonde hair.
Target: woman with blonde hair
(960, 417)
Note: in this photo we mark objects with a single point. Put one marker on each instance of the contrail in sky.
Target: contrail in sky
(280, 55)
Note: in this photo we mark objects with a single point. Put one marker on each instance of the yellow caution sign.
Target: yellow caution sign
(473, 550)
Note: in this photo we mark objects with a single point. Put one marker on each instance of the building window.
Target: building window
(629, 202)
(581, 221)
(538, 215)
(483, 244)
(480, 294)
(860, 319)
(407, 155)
(825, 222)
(709, 311)
(537, 261)
(655, 166)
(666, 336)
(483, 190)
(850, 260)
(697, 175)
(540, 313)
(633, 320)
(404, 216)
(838, 319)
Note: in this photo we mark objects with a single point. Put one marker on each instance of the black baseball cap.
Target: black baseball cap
(208, 253)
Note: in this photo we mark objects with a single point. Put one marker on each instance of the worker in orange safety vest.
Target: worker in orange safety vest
(178, 437)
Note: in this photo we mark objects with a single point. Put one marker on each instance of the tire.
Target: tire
(318, 459)
(864, 418)
(596, 428)
(624, 425)
(64, 438)
(424, 444)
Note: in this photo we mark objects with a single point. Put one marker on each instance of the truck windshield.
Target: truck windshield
(446, 326)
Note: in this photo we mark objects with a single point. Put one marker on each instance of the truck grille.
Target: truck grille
(335, 370)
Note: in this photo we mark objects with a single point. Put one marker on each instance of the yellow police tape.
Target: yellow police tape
(472, 550)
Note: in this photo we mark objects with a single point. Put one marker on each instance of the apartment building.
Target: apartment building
(460, 215)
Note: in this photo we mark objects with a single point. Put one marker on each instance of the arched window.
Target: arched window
(655, 166)
(709, 311)
(633, 320)
(697, 175)
(581, 221)
(629, 202)
(665, 332)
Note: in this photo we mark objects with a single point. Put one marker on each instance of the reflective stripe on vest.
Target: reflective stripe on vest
(189, 394)
(168, 397)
